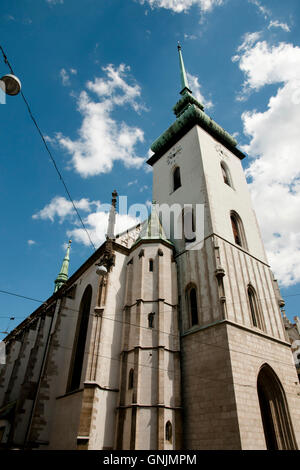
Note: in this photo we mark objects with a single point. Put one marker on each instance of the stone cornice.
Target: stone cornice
(239, 326)
(192, 116)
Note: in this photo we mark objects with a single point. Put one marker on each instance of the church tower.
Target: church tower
(239, 384)
(149, 411)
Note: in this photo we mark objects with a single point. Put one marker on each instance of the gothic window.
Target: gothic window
(130, 379)
(176, 178)
(169, 431)
(238, 230)
(188, 225)
(254, 308)
(80, 340)
(151, 265)
(151, 320)
(192, 305)
(276, 419)
(226, 174)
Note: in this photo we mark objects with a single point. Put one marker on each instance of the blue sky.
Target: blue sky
(101, 77)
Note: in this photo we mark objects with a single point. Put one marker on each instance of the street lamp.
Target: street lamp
(10, 84)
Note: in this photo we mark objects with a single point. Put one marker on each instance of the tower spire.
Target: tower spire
(183, 76)
(63, 274)
(112, 217)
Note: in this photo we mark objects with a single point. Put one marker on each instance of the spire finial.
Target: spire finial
(112, 217)
(64, 272)
(183, 76)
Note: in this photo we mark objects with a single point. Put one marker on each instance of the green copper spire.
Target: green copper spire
(152, 228)
(184, 80)
(190, 112)
(63, 275)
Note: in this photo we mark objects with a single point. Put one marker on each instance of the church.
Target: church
(160, 341)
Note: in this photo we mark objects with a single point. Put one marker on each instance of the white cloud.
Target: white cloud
(65, 77)
(31, 242)
(277, 24)
(179, 6)
(261, 8)
(96, 221)
(191, 37)
(102, 139)
(196, 89)
(61, 207)
(96, 224)
(132, 183)
(274, 145)
(55, 2)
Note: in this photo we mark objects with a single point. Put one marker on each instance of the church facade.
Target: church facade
(156, 342)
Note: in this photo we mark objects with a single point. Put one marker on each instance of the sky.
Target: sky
(101, 78)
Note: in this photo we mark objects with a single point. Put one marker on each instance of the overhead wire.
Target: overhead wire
(195, 340)
(91, 242)
(49, 151)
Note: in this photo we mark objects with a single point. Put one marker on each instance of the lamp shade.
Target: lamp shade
(12, 84)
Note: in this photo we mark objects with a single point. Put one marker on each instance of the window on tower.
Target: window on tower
(238, 230)
(151, 265)
(176, 178)
(169, 431)
(256, 317)
(130, 379)
(188, 224)
(226, 174)
(191, 293)
(151, 320)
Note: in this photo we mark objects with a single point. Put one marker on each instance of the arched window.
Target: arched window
(151, 265)
(176, 178)
(130, 379)
(226, 174)
(80, 340)
(238, 230)
(151, 320)
(169, 431)
(192, 305)
(188, 224)
(254, 309)
(276, 420)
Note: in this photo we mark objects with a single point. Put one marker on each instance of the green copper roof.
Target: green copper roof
(193, 114)
(152, 229)
(64, 272)
(189, 112)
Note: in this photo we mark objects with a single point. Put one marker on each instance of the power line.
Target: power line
(203, 308)
(21, 296)
(49, 152)
(195, 340)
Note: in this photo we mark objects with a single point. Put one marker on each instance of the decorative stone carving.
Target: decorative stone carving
(127, 239)
(107, 258)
